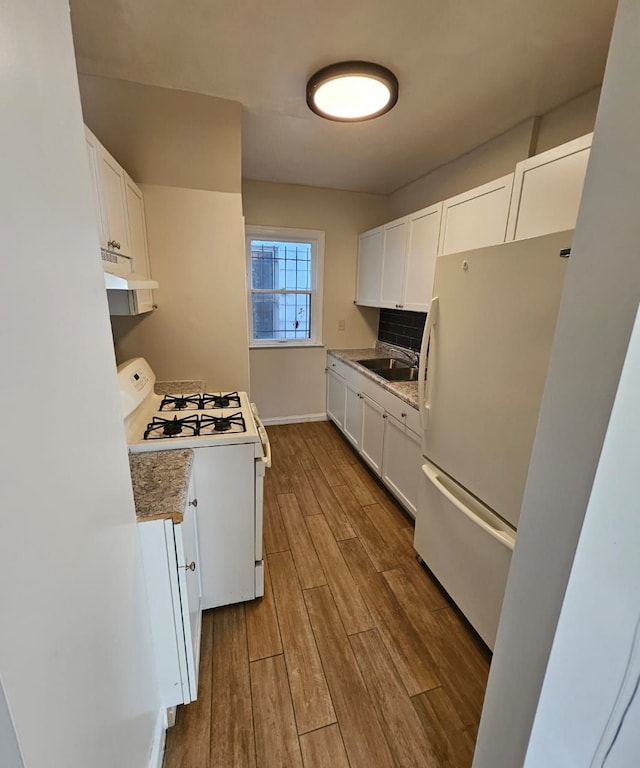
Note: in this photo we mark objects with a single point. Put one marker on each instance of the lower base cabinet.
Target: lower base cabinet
(373, 418)
(171, 566)
(376, 423)
(401, 462)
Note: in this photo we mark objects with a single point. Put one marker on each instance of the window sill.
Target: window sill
(288, 345)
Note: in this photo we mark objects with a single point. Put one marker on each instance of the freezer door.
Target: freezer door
(467, 548)
(488, 358)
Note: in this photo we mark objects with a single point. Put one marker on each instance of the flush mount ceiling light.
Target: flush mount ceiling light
(352, 91)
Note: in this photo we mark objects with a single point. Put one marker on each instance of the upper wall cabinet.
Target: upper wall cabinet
(547, 189)
(394, 249)
(396, 262)
(420, 264)
(120, 221)
(476, 218)
(369, 267)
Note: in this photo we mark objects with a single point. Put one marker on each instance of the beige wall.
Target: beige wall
(290, 382)
(499, 156)
(164, 136)
(184, 150)
(489, 161)
(568, 121)
(199, 330)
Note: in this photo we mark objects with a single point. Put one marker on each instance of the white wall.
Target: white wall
(199, 331)
(601, 613)
(75, 649)
(290, 382)
(596, 315)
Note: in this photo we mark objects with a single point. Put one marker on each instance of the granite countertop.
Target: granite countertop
(160, 482)
(179, 387)
(407, 391)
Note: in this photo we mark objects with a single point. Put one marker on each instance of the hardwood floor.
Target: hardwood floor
(354, 656)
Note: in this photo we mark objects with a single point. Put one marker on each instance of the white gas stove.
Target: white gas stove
(231, 453)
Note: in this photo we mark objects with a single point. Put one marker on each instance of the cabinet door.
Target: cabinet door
(369, 267)
(190, 586)
(114, 201)
(353, 415)
(401, 462)
(547, 189)
(394, 251)
(335, 398)
(138, 242)
(373, 418)
(93, 157)
(476, 218)
(422, 250)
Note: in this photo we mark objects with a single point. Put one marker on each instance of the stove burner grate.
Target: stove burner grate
(180, 402)
(160, 428)
(211, 424)
(228, 400)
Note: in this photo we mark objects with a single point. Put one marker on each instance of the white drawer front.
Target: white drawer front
(468, 559)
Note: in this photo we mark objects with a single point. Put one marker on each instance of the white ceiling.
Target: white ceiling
(468, 71)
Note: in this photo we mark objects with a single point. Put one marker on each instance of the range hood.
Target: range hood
(119, 274)
(131, 282)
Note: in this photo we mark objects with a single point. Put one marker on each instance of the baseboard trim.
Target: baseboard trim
(295, 419)
(156, 758)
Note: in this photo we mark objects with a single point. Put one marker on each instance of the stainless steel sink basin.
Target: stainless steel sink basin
(399, 374)
(379, 364)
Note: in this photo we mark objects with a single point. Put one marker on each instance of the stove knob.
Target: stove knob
(193, 503)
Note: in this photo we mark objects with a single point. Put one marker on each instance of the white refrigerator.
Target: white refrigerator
(483, 364)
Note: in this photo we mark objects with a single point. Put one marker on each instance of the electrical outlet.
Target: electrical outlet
(341, 325)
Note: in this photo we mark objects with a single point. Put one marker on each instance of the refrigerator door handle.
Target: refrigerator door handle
(424, 405)
(503, 536)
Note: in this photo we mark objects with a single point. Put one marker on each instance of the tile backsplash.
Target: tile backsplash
(402, 328)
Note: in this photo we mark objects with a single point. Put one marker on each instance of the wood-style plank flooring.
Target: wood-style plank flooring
(354, 657)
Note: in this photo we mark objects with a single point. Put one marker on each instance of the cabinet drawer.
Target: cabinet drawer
(338, 366)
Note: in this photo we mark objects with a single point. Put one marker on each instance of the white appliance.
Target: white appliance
(488, 336)
(231, 453)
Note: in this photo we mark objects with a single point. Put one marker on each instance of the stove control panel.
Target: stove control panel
(139, 379)
(135, 381)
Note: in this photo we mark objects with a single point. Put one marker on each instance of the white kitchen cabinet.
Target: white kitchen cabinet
(140, 301)
(93, 156)
(420, 261)
(373, 418)
(547, 189)
(476, 218)
(172, 576)
(112, 181)
(353, 414)
(394, 251)
(383, 428)
(336, 393)
(369, 267)
(401, 462)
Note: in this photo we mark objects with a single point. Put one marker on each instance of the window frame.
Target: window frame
(289, 235)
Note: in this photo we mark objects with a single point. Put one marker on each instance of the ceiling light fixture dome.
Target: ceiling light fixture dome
(352, 91)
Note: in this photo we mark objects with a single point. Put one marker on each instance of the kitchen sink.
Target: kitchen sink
(379, 364)
(409, 373)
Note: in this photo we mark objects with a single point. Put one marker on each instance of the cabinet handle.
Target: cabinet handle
(193, 503)
(191, 566)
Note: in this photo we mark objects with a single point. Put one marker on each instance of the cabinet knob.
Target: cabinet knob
(404, 415)
(384, 415)
(191, 566)
(193, 503)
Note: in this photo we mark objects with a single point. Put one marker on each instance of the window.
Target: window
(284, 277)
